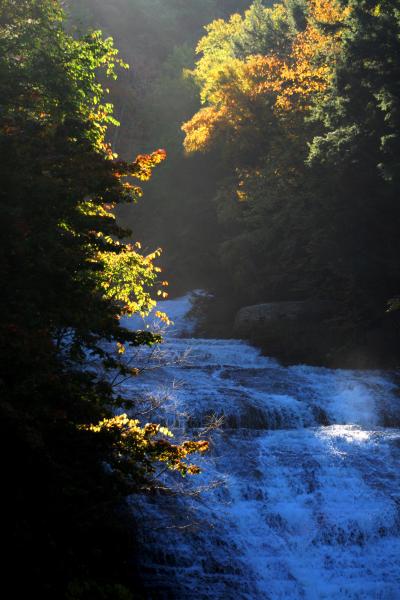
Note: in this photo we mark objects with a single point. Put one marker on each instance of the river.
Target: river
(299, 496)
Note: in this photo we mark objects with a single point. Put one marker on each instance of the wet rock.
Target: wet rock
(250, 319)
(293, 332)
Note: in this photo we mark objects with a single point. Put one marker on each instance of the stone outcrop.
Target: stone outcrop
(292, 331)
(272, 316)
(308, 332)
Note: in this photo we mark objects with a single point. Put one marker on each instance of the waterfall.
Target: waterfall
(299, 495)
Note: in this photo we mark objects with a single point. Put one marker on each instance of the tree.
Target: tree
(68, 278)
(359, 146)
(361, 114)
(300, 105)
(157, 37)
(259, 75)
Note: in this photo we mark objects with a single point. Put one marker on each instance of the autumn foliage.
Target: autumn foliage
(300, 111)
(233, 87)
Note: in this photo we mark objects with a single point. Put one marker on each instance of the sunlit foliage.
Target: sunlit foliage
(140, 448)
(128, 278)
(298, 65)
(68, 277)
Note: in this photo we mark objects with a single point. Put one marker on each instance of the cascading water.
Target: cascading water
(300, 493)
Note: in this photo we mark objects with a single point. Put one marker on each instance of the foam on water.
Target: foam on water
(308, 495)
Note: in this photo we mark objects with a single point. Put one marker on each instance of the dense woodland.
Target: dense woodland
(282, 183)
(281, 129)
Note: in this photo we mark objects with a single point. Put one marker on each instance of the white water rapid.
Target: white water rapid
(300, 492)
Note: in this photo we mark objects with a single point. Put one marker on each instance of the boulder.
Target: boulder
(306, 332)
(273, 316)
